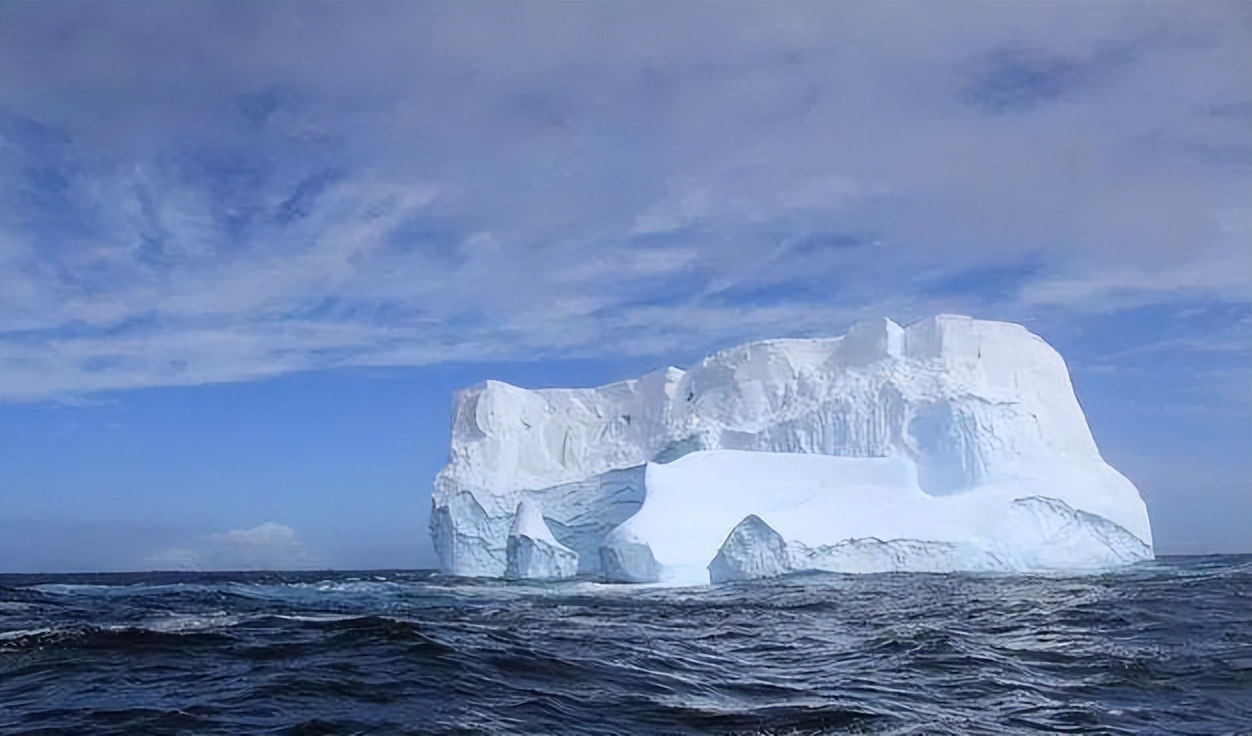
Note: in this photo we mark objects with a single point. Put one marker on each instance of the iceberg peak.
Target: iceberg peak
(532, 552)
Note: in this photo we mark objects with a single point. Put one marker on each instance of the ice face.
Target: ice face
(753, 550)
(532, 551)
(877, 440)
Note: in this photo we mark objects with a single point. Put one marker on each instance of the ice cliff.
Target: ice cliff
(952, 444)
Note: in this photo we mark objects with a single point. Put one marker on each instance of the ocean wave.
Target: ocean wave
(1162, 649)
(89, 637)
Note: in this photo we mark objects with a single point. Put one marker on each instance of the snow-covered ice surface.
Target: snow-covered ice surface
(952, 444)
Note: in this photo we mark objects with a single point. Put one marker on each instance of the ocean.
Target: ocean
(1159, 648)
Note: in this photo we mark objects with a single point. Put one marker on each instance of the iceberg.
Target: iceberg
(953, 444)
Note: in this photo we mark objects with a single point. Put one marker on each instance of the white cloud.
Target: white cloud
(416, 183)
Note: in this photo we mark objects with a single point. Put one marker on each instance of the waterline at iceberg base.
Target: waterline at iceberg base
(952, 444)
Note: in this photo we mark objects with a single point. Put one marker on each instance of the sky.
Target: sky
(248, 250)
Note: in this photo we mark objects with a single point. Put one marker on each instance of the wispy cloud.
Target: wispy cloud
(196, 193)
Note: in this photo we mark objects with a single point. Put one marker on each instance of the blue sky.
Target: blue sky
(247, 251)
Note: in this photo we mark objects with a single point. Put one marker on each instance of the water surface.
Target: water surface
(1164, 647)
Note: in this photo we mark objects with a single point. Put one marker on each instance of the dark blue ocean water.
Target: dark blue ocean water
(1162, 648)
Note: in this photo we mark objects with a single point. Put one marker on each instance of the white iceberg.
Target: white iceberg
(953, 444)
